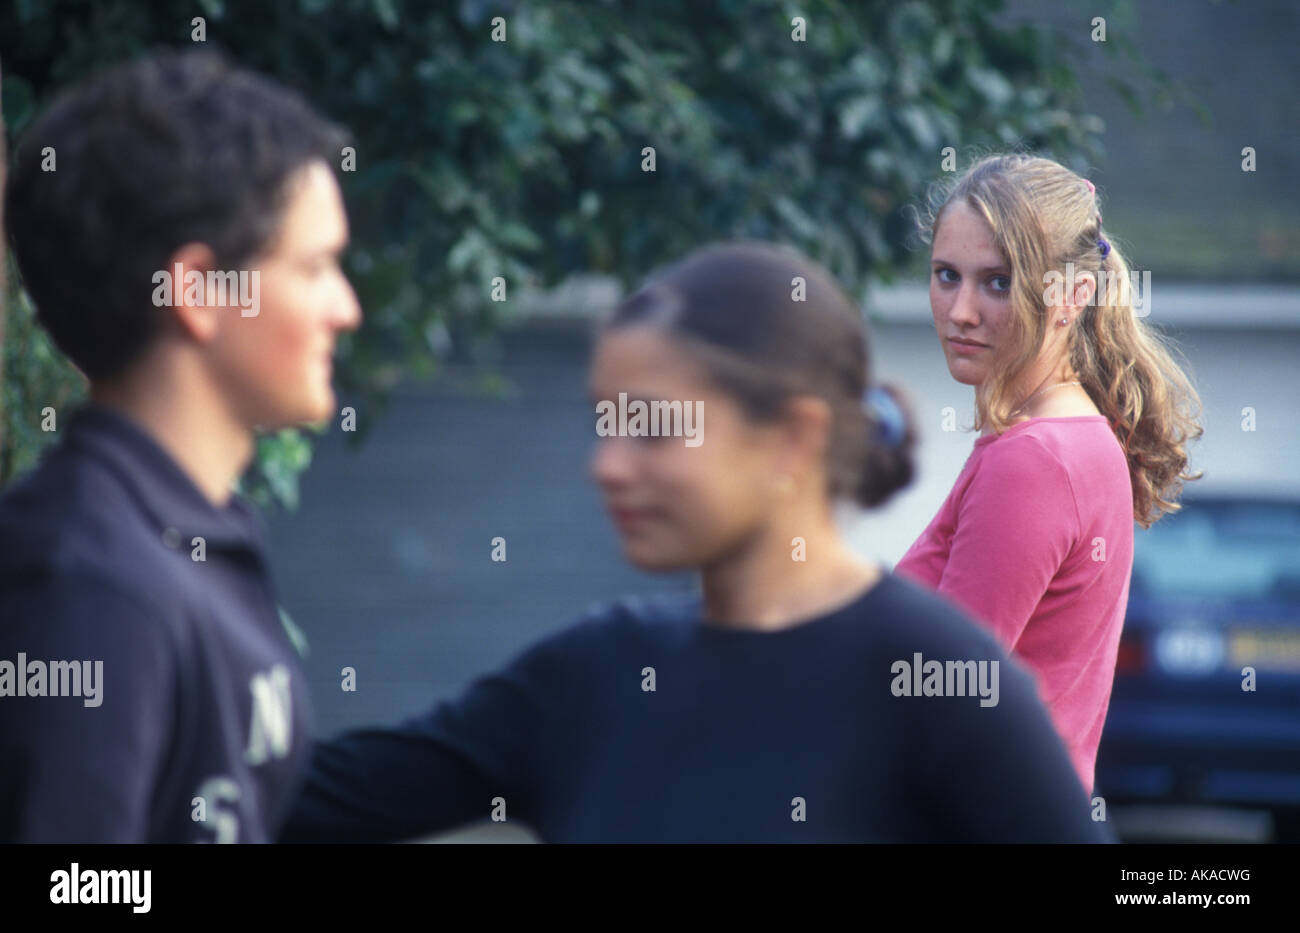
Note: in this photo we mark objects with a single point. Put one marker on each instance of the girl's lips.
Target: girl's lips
(627, 517)
(960, 346)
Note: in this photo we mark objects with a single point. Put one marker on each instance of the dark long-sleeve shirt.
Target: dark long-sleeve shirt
(643, 723)
(148, 692)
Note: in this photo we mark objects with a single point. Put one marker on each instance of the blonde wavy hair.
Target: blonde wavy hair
(1045, 216)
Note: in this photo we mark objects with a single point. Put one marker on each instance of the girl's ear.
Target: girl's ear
(1085, 286)
(806, 432)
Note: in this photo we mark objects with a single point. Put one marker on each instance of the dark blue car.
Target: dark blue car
(1206, 704)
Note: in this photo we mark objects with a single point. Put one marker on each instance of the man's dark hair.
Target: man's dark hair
(178, 147)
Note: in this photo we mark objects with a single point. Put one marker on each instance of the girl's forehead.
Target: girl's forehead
(644, 356)
(967, 236)
(961, 218)
(642, 346)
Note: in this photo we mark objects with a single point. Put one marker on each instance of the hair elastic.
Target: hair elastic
(891, 424)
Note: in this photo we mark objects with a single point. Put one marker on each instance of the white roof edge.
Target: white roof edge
(1227, 306)
(1184, 304)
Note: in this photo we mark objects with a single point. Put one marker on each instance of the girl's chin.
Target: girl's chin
(653, 560)
(965, 374)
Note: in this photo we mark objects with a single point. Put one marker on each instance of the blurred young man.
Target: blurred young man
(178, 226)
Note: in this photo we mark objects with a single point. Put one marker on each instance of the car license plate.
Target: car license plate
(1264, 649)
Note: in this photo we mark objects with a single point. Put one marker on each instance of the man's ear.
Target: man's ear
(187, 302)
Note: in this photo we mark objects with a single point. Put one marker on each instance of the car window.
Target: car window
(1221, 550)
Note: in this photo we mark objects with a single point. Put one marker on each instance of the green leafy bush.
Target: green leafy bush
(523, 158)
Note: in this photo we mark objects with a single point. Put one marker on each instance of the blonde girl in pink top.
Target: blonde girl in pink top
(1084, 418)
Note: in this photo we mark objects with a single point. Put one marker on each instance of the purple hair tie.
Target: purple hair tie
(1104, 247)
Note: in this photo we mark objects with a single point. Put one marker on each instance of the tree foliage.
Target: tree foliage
(524, 158)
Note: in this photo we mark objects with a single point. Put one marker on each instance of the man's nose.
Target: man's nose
(349, 315)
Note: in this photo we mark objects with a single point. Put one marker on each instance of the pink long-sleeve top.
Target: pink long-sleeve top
(1036, 540)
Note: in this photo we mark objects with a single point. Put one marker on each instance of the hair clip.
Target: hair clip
(891, 425)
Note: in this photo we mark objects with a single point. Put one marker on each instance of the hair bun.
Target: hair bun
(888, 463)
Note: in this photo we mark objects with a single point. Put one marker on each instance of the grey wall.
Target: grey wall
(387, 565)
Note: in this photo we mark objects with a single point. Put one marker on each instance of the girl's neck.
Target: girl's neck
(766, 587)
(1049, 395)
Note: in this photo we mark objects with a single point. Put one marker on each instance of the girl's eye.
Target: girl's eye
(946, 276)
(1001, 283)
